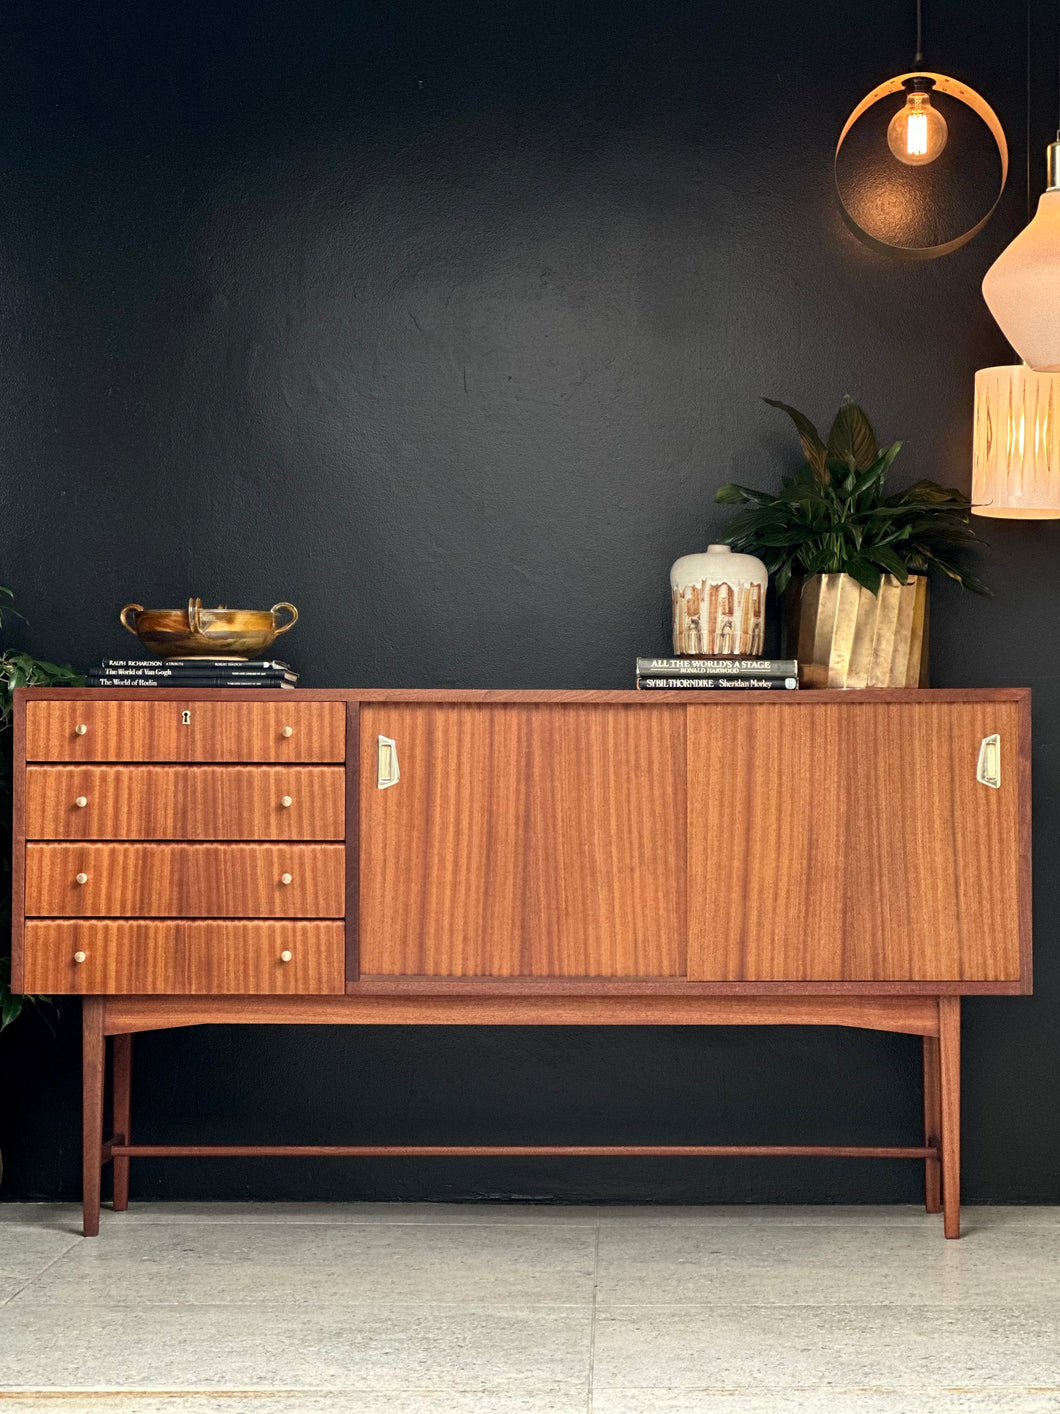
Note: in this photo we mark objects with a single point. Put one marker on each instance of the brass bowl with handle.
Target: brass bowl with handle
(196, 632)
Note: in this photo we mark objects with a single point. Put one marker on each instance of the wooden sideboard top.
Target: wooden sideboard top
(617, 696)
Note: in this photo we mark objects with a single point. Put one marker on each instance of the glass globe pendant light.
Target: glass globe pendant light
(916, 134)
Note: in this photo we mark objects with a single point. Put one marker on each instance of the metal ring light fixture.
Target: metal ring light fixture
(968, 96)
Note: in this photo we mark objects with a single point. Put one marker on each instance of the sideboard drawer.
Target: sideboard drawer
(185, 880)
(202, 958)
(95, 729)
(185, 802)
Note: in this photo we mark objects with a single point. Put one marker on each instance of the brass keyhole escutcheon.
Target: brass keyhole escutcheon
(185, 719)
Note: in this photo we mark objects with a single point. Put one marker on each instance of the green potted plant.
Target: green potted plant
(850, 561)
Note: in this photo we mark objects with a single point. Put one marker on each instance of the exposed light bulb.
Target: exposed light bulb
(917, 133)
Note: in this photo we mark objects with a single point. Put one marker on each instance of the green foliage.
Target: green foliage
(16, 670)
(832, 516)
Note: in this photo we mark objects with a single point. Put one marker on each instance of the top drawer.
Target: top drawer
(87, 729)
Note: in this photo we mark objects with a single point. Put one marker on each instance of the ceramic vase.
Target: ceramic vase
(719, 601)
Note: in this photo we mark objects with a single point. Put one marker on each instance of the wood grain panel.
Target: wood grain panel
(18, 844)
(353, 841)
(216, 730)
(442, 852)
(211, 958)
(545, 842)
(185, 802)
(185, 880)
(853, 842)
(604, 890)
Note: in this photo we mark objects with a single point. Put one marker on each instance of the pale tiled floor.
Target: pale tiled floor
(423, 1309)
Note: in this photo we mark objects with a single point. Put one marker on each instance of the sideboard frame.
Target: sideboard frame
(930, 1009)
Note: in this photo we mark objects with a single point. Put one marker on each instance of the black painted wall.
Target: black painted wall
(445, 322)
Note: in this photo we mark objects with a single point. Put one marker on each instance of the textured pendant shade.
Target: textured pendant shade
(1016, 444)
(1022, 287)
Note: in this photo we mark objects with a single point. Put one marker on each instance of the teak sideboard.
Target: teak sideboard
(602, 858)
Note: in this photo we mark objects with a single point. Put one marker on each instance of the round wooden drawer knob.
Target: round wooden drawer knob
(80, 956)
(287, 802)
(286, 955)
(285, 878)
(82, 878)
(81, 802)
(287, 731)
(80, 729)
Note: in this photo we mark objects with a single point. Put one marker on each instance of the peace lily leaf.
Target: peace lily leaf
(891, 561)
(732, 495)
(865, 574)
(852, 441)
(813, 448)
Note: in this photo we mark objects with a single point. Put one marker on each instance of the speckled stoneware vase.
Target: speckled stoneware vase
(719, 601)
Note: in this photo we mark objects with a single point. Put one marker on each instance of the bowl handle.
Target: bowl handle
(124, 616)
(194, 618)
(294, 616)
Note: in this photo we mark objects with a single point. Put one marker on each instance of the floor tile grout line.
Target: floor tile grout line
(250, 1221)
(843, 1389)
(344, 1392)
(502, 1304)
(37, 1275)
(592, 1321)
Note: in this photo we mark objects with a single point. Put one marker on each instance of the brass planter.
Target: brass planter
(845, 636)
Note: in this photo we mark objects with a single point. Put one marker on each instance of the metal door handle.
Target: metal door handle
(388, 773)
(988, 771)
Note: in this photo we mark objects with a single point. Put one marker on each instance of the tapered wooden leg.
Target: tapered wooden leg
(93, 1065)
(932, 1125)
(950, 1077)
(122, 1081)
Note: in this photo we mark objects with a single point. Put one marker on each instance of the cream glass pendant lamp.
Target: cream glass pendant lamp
(1016, 444)
(1022, 287)
(1016, 439)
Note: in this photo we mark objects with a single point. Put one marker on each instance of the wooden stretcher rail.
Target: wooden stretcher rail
(512, 1151)
(917, 1016)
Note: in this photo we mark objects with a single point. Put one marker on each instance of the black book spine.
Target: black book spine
(717, 667)
(728, 684)
(200, 680)
(125, 666)
(161, 671)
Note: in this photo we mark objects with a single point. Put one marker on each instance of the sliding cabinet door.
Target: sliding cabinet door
(529, 840)
(854, 842)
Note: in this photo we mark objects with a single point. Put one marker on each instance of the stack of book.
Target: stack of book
(721, 673)
(190, 672)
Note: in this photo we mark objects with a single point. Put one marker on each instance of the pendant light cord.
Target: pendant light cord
(918, 57)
